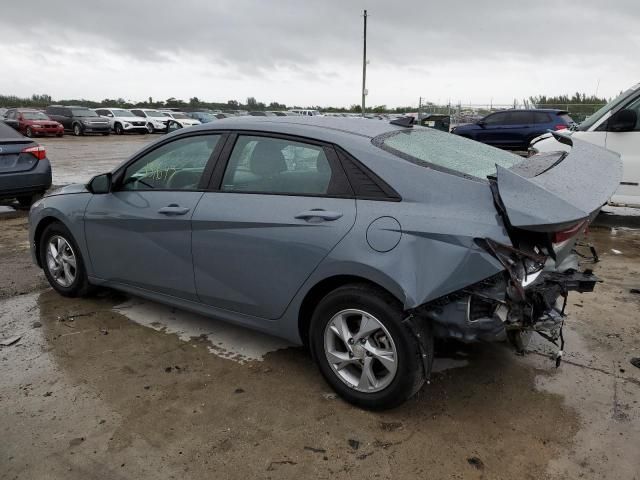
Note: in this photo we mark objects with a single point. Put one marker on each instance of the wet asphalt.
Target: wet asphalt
(118, 387)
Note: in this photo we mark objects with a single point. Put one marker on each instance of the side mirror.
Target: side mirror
(623, 121)
(172, 126)
(481, 123)
(100, 184)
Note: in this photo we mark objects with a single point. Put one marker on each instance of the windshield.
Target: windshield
(179, 115)
(590, 121)
(83, 112)
(122, 113)
(154, 113)
(430, 148)
(205, 116)
(34, 116)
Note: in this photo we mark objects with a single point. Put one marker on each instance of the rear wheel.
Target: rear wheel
(77, 130)
(62, 262)
(363, 349)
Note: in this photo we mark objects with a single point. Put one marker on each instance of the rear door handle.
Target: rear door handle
(322, 214)
(174, 209)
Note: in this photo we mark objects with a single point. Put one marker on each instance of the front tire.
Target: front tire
(29, 132)
(77, 130)
(150, 128)
(118, 129)
(363, 349)
(62, 262)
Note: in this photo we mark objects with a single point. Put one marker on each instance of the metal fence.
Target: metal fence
(469, 113)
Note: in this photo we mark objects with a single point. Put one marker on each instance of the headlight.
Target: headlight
(126, 124)
(35, 125)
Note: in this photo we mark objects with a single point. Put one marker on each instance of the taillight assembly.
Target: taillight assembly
(564, 235)
(38, 151)
(560, 126)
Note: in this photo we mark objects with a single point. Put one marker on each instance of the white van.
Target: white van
(616, 127)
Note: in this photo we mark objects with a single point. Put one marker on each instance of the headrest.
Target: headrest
(267, 159)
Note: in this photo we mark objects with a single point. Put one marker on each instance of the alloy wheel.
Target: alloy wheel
(360, 350)
(61, 261)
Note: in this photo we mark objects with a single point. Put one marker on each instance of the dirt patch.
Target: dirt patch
(19, 274)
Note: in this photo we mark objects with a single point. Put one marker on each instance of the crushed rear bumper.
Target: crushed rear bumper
(488, 310)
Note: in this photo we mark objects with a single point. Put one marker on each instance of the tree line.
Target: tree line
(577, 102)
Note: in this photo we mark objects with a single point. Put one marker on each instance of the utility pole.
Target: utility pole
(364, 65)
(419, 108)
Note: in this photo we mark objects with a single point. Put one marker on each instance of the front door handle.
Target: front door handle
(174, 209)
(318, 214)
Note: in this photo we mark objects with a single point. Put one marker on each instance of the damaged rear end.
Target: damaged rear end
(546, 204)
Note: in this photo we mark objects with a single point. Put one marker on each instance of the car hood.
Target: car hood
(130, 119)
(69, 189)
(549, 192)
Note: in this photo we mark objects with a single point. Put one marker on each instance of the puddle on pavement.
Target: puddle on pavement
(226, 341)
(166, 398)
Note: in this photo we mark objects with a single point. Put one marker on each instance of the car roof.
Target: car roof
(321, 128)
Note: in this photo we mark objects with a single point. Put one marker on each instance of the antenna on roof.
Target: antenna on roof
(407, 121)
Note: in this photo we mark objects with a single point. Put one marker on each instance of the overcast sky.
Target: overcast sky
(310, 53)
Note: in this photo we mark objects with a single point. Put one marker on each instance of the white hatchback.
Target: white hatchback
(616, 127)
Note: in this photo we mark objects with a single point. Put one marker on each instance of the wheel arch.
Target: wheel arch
(37, 236)
(321, 289)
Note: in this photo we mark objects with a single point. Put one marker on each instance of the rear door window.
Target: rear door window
(540, 117)
(520, 118)
(273, 165)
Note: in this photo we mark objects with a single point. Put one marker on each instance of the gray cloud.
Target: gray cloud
(260, 37)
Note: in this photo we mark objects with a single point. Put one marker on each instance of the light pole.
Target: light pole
(364, 64)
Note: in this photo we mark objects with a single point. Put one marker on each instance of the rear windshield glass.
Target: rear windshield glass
(430, 148)
(567, 119)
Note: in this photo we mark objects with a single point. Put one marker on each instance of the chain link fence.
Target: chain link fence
(470, 113)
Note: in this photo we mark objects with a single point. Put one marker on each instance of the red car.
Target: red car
(32, 122)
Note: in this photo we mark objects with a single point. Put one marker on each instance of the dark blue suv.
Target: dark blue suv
(514, 129)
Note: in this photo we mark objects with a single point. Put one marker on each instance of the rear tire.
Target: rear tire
(65, 271)
(380, 372)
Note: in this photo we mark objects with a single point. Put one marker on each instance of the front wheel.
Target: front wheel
(77, 130)
(29, 132)
(150, 128)
(118, 129)
(62, 262)
(364, 350)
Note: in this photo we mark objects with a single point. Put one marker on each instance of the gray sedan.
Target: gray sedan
(25, 171)
(361, 240)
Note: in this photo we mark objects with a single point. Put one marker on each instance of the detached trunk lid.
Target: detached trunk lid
(552, 192)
